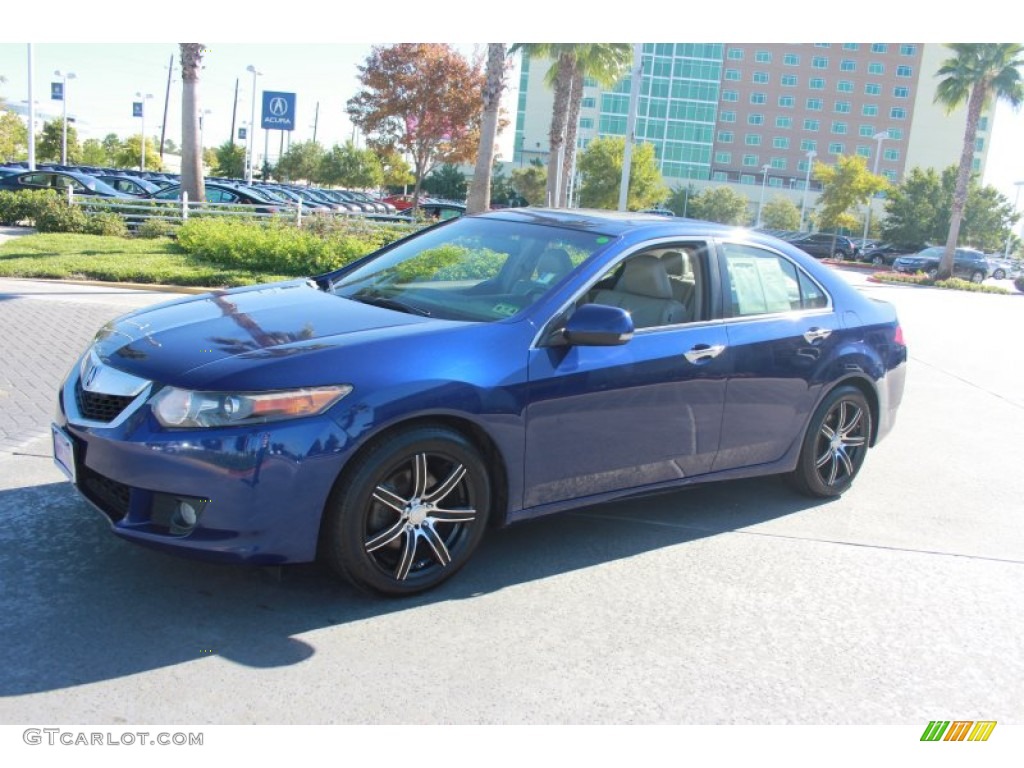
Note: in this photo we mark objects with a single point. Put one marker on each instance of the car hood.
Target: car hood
(190, 342)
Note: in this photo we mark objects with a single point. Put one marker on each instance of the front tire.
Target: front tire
(977, 277)
(409, 513)
(835, 444)
(999, 274)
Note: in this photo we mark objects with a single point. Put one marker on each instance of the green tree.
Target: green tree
(229, 160)
(479, 198)
(112, 145)
(352, 167)
(977, 74)
(13, 137)
(600, 168)
(301, 161)
(49, 143)
(531, 182)
(781, 213)
(397, 172)
(424, 99)
(191, 55)
(916, 210)
(94, 153)
(679, 200)
(129, 154)
(447, 182)
(603, 62)
(502, 192)
(845, 185)
(720, 204)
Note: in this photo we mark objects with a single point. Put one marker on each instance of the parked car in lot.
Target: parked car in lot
(822, 245)
(1004, 269)
(130, 185)
(484, 371)
(967, 263)
(885, 254)
(79, 183)
(222, 192)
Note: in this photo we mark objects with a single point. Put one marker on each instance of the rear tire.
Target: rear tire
(834, 445)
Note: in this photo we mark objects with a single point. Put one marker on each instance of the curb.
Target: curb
(151, 287)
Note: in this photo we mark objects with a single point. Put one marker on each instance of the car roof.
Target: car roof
(616, 222)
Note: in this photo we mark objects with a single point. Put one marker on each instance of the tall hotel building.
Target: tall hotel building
(718, 113)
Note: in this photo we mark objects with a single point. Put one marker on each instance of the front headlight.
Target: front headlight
(183, 408)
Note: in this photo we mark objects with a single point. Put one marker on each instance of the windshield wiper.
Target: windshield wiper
(388, 303)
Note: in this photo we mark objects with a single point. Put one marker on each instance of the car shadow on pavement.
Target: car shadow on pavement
(80, 605)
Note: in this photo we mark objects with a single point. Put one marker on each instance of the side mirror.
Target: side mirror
(598, 325)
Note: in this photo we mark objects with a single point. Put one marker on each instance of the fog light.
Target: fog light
(184, 518)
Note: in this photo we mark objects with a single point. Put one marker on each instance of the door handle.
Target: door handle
(817, 334)
(704, 352)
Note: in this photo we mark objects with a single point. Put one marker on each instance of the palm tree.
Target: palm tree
(604, 62)
(191, 150)
(480, 190)
(978, 74)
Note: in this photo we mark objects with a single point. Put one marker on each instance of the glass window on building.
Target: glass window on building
(901, 92)
(730, 96)
(775, 181)
(586, 123)
(802, 166)
(823, 45)
(589, 102)
(866, 130)
(761, 77)
(758, 98)
(904, 71)
(873, 89)
(755, 118)
(876, 68)
(907, 49)
(791, 60)
(839, 128)
(869, 110)
(786, 102)
(836, 148)
(848, 65)
(789, 81)
(736, 54)
(844, 86)
(732, 74)
(979, 144)
(752, 139)
(898, 113)
(780, 142)
(892, 155)
(763, 57)
(842, 107)
(851, 46)
(748, 178)
(879, 47)
(816, 83)
(719, 176)
(778, 163)
(812, 125)
(814, 105)
(750, 160)
(819, 62)
(891, 175)
(783, 122)
(976, 164)
(725, 158)
(808, 145)
(983, 123)
(727, 116)
(725, 137)
(863, 150)
(896, 134)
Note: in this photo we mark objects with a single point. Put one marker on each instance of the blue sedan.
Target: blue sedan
(486, 370)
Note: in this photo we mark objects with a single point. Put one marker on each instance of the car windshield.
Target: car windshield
(472, 269)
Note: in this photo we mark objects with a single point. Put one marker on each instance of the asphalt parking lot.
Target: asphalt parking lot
(741, 603)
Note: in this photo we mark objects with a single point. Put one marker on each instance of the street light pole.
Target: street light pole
(879, 137)
(64, 98)
(764, 181)
(1009, 235)
(252, 124)
(811, 154)
(144, 99)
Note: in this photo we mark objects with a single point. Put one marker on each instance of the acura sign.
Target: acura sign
(278, 111)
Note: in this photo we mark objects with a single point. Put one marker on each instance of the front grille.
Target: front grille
(109, 495)
(97, 406)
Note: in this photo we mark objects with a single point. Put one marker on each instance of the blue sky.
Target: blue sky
(319, 47)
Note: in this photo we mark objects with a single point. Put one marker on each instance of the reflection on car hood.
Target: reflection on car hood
(172, 342)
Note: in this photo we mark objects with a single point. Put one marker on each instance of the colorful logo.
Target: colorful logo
(958, 730)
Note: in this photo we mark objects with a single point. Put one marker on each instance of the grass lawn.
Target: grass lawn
(117, 259)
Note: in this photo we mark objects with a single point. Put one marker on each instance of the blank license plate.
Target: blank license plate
(63, 452)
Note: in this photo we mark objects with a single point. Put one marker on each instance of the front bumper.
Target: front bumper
(260, 490)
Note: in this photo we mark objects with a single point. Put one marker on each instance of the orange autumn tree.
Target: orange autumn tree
(423, 100)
